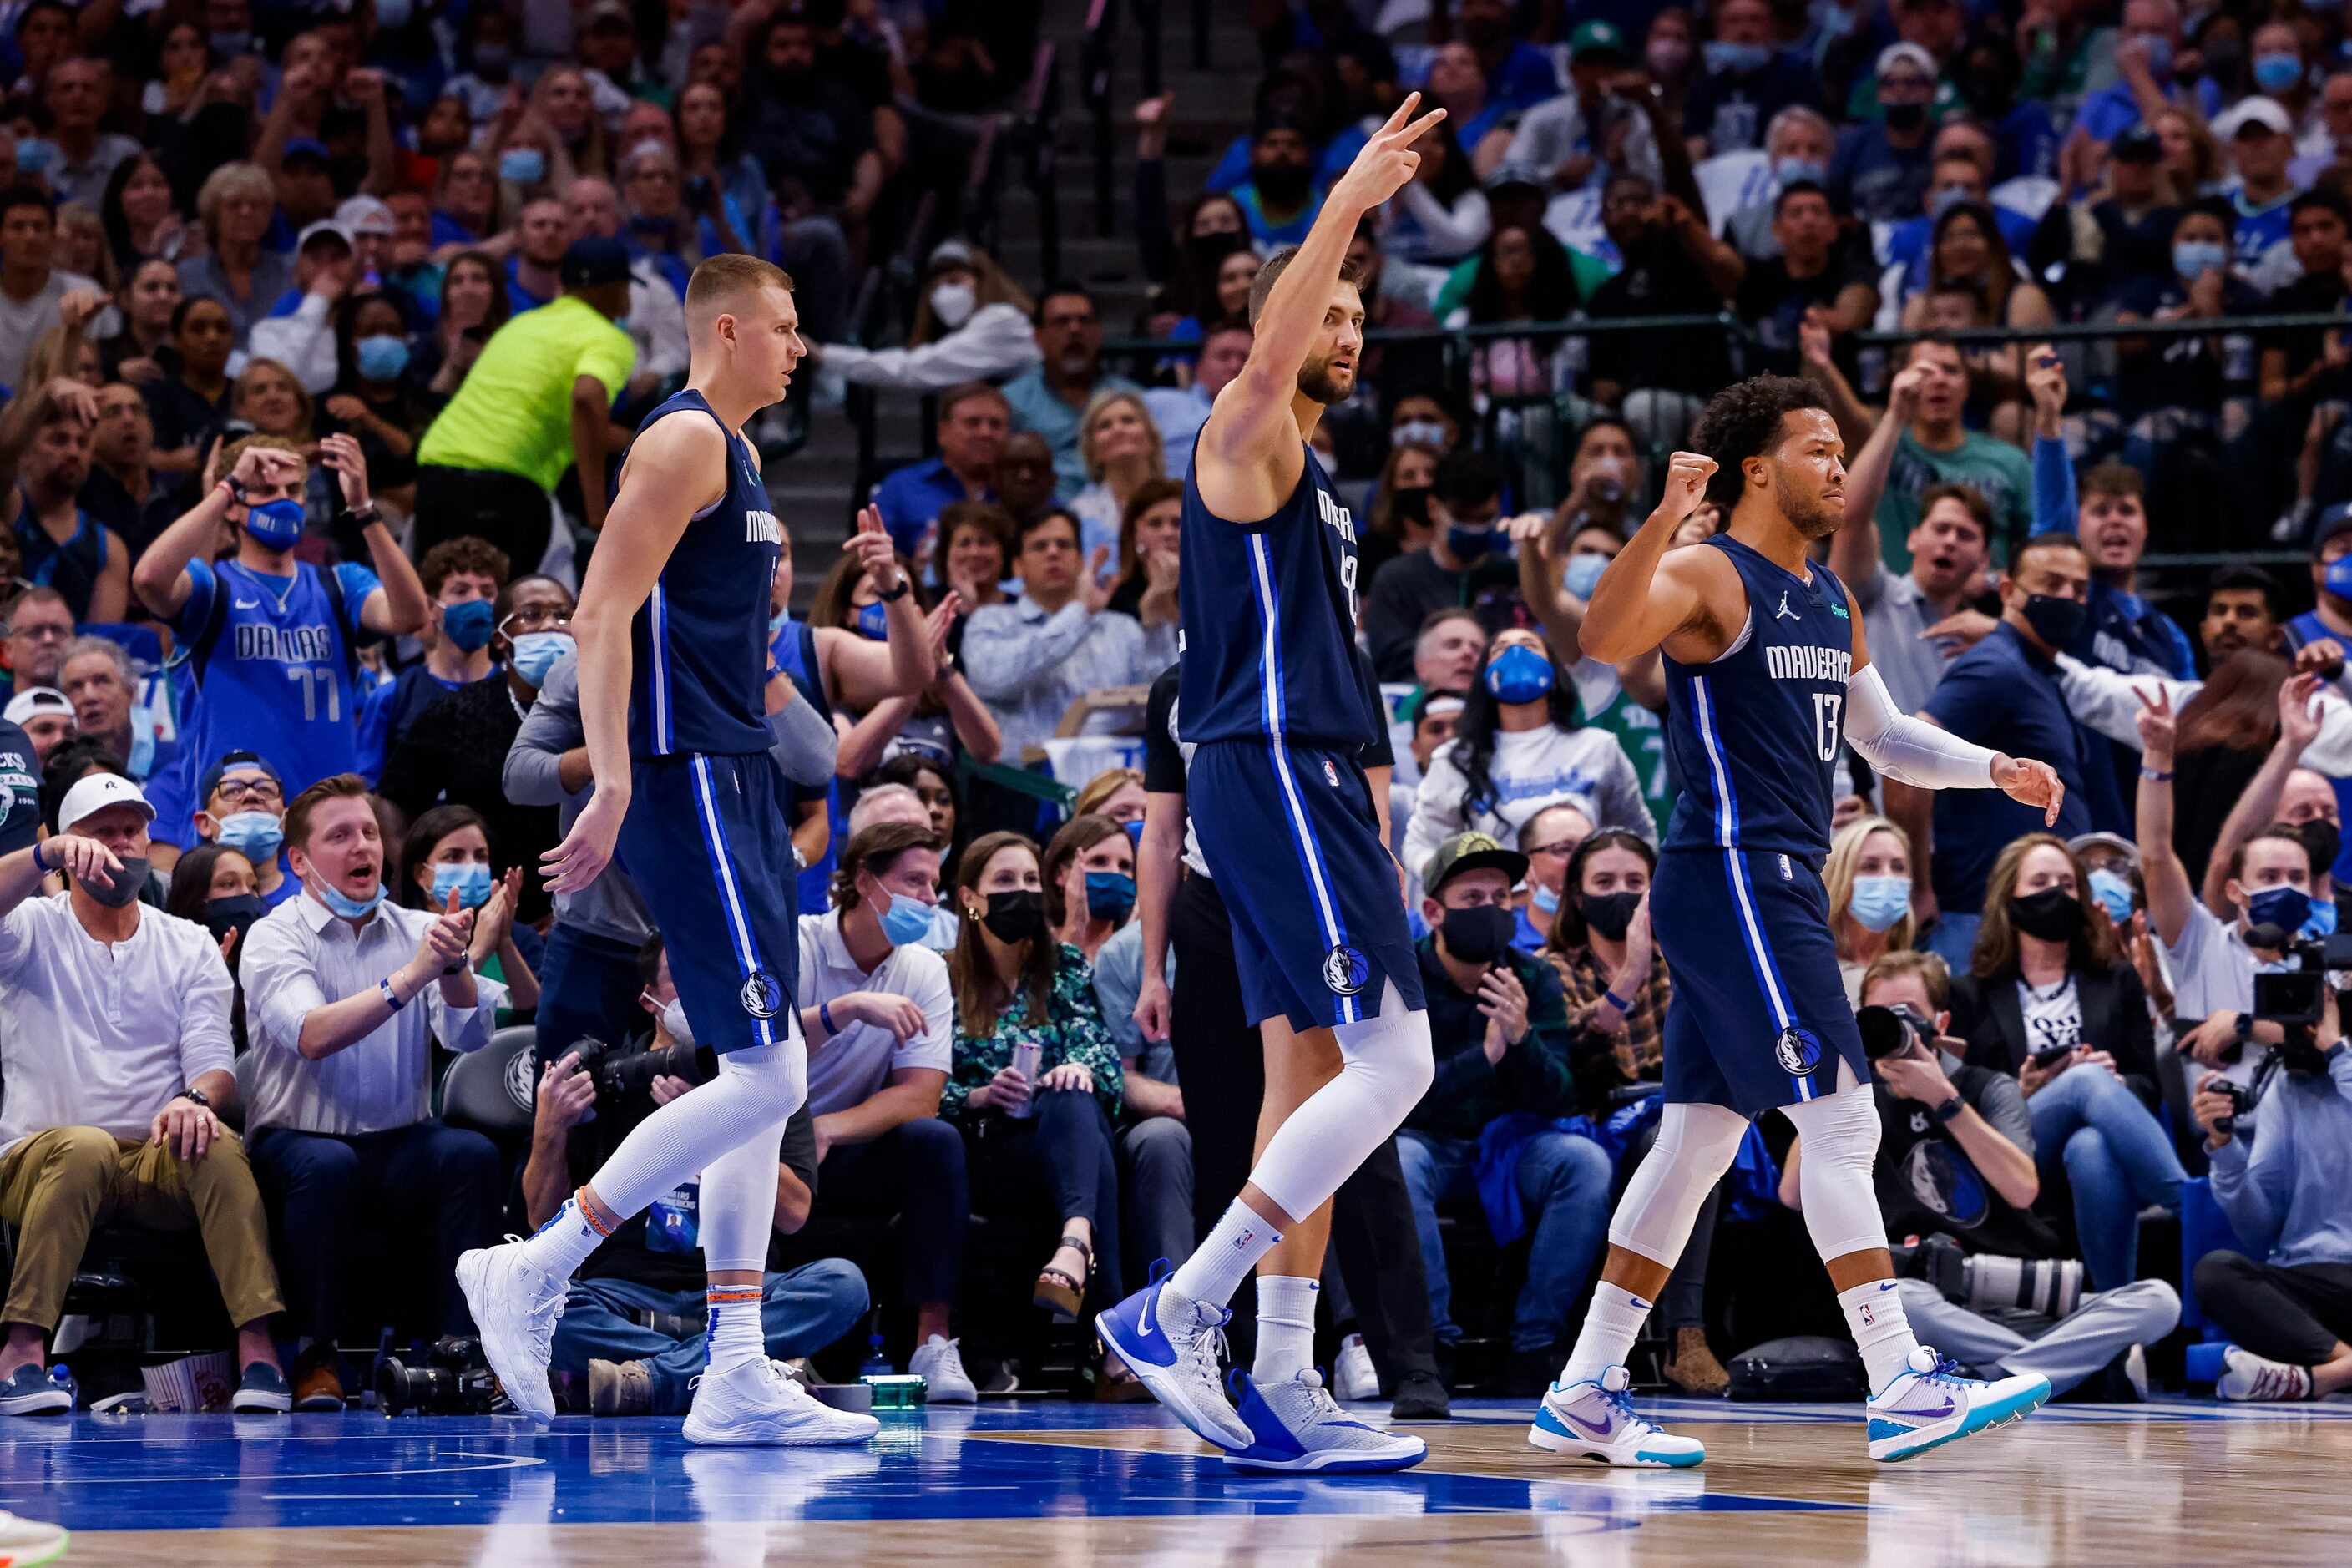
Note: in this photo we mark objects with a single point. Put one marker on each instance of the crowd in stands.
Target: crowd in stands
(323, 332)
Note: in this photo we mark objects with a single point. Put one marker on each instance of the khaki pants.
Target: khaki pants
(57, 1187)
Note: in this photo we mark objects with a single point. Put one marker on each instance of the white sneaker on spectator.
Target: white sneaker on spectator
(26, 1542)
(515, 1308)
(940, 1364)
(1352, 1374)
(757, 1403)
(2249, 1376)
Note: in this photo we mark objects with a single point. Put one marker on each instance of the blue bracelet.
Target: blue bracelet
(1617, 1002)
(824, 1017)
(39, 864)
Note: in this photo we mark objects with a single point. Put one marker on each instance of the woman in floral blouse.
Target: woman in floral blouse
(1015, 985)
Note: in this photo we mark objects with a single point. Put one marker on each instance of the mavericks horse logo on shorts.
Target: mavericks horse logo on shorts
(1799, 1051)
(1345, 970)
(764, 994)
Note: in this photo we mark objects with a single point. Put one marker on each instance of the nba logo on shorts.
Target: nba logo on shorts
(1345, 970)
(1331, 773)
(762, 996)
(1797, 1052)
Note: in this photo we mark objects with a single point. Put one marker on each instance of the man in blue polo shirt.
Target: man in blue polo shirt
(2003, 693)
(974, 419)
(1051, 398)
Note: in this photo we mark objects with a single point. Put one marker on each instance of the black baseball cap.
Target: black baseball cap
(2335, 520)
(2138, 145)
(592, 261)
(234, 760)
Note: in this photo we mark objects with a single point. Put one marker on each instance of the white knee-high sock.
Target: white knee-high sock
(1286, 1327)
(756, 1090)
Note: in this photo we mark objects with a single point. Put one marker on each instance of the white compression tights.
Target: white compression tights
(1696, 1144)
(728, 1129)
(1385, 1068)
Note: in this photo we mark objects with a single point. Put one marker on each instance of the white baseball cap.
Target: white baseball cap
(33, 700)
(2254, 111)
(94, 795)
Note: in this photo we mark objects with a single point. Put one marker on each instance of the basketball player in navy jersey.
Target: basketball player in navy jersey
(673, 636)
(1767, 677)
(1272, 699)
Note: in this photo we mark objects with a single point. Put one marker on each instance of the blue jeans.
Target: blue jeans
(801, 1311)
(1954, 938)
(2117, 1159)
(1564, 1183)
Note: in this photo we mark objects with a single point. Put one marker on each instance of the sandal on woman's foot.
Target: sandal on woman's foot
(1058, 1292)
(1115, 1385)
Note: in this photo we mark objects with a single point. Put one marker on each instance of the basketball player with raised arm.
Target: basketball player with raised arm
(1271, 696)
(673, 636)
(1766, 677)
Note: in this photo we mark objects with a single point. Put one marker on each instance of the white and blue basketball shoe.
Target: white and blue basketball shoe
(1930, 1403)
(1296, 1425)
(1595, 1419)
(1171, 1343)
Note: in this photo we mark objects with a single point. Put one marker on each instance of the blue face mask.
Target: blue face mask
(1135, 831)
(2337, 577)
(874, 621)
(1546, 901)
(2159, 55)
(2114, 894)
(35, 154)
(1878, 902)
(382, 357)
(2277, 73)
(2193, 257)
(1583, 573)
(344, 905)
(468, 624)
(1737, 58)
(535, 654)
(256, 835)
(472, 883)
(1520, 674)
(523, 165)
(390, 15)
(2322, 922)
(1110, 895)
(907, 921)
(2285, 908)
(1469, 543)
(1791, 170)
(275, 524)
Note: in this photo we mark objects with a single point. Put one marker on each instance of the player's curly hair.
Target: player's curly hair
(1745, 420)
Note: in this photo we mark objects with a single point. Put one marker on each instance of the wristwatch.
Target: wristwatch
(361, 516)
(234, 486)
(906, 586)
(1951, 1108)
(195, 1096)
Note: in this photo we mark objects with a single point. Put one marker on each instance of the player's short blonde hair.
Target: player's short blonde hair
(721, 278)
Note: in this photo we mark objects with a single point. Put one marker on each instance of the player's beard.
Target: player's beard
(1805, 514)
(1318, 381)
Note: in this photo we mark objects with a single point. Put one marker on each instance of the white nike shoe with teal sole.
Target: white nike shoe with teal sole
(1930, 1403)
(1596, 1420)
(1296, 1425)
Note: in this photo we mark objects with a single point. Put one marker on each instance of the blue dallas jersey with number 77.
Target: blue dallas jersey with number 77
(1757, 734)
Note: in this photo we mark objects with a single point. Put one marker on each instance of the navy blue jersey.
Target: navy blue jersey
(1756, 733)
(698, 684)
(1269, 624)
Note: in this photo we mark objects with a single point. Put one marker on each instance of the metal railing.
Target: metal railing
(1097, 62)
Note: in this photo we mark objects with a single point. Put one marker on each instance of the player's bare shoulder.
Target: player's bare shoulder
(1717, 596)
(1250, 457)
(680, 458)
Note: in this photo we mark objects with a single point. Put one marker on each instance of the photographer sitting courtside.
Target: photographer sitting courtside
(1955, 1166)
(633, 1320)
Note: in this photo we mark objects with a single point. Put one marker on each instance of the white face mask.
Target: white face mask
(954, 303)
(673, 1017)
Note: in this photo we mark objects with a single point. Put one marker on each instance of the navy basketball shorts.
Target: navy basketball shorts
(710, 847)
(1759, 1015)
(1291, 841)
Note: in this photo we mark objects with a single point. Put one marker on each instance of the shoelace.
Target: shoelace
(1204, 1342)
(1949, 1373)
(2277, 1382)
(1621, 1402)
(542, 1314)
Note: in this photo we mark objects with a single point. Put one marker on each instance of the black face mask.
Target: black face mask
(1411, 503)
(236, 913)
(1283, 184)
(2053, 914)
(2324, 840)
(2056, 621)
(1016, 916)
(1906, 117)
(124, 889)
(1479, 935)
(1609, 914)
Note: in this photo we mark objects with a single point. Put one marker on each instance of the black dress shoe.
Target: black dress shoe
(1420, 1397)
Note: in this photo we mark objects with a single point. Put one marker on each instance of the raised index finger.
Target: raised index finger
(1415, 131)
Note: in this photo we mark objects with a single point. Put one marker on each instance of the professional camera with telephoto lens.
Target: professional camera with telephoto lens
(453, 1379)
(630, 1067)
(1985, 1282)
(1899, 1030)
(2292, 994)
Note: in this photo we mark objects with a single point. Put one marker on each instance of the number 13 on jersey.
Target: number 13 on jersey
(1826, 707)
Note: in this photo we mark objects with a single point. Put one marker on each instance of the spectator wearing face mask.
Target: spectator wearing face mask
(118, 1064)
(44, 721)
(271, 640)
(457, 750)
(2051, 998)
(1516, 747)
(463, 579)
(1548, 840)
(971, 323)
(1881, 168)
(1458, 565)
(244, 810)
(1749, 81)
(1797, 145)
(1868, 879)
(446, 856)
(1501, 1032)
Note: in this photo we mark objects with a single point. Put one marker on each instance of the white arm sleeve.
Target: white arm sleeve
(1907, 750)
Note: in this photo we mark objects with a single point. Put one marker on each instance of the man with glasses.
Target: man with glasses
(1547, 838)
(244, 809)
(40, 624)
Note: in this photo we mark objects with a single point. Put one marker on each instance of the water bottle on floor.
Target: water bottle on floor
(62, 1376)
